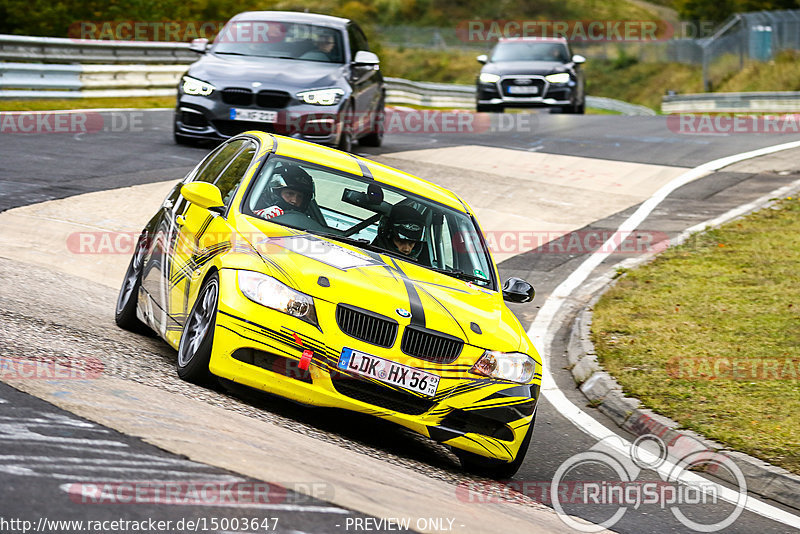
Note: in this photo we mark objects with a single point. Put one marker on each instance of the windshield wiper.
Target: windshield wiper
(461, 275)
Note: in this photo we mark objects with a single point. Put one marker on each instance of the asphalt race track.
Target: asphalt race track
(597, 170)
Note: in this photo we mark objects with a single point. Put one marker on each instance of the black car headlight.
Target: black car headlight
(487, 77)
(513, 366)
(273, 294)
(321, 97)
(195, 87)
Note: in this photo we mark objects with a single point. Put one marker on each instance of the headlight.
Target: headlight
(513, 366)
(193, 86)
(321, 97)
(486, 77)
(268, 292)
(561, 77)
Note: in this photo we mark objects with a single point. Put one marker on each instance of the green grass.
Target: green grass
(729, 297)
(87, 103)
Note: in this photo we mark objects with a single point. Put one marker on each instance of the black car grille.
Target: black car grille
(272, 99)
(430, 345)
(273, 362)
(510, 82)
(231, 128)
(377, 395)
(366, 325)
(237, 96)
(193, 119)
(476, 423)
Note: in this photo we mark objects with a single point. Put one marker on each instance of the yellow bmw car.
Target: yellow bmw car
(335, 281)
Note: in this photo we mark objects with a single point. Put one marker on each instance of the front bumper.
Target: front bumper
(261, 348)
(546, 93)
(209, 117)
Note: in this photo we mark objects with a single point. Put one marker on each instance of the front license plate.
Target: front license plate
(253, 115)
(388, 371)
(523, 90)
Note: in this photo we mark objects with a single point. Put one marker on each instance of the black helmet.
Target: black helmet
(404, 222)
(290, 176)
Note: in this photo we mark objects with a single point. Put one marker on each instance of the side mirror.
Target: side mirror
(203, 194)
(482, 59)
(518, 290)
(199, 45)
(578, 59)
(366, 59)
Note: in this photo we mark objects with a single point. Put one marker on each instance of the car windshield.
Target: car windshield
(371, 215)
(288, 40)
(530, 51)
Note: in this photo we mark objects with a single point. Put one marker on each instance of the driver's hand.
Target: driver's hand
(269, 213)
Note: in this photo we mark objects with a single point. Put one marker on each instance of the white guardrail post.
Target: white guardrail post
(33, 67)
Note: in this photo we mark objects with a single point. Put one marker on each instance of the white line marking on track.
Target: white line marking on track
(540, 330)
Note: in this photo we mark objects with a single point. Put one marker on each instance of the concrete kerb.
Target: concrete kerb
(604, 392)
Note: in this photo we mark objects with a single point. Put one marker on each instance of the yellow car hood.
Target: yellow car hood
(384, 284)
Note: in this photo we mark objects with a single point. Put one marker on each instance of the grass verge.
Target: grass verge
(708, 334)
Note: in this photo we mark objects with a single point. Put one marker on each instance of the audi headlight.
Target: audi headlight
(561, 77)
(486, 77)
(271, 293)
(513, 366)
(321, 97)
(193, 86)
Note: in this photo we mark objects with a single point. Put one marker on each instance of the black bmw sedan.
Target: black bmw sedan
(298, 74)
(531, 72)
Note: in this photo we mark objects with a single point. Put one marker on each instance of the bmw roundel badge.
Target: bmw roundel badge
(403, 313)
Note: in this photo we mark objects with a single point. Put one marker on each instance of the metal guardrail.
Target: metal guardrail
(38, 80)
(437, 95)
(610, 104)
(18, 48)
(32, 67)
(763, 102)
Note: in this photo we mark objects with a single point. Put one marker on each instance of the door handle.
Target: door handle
(180, 220)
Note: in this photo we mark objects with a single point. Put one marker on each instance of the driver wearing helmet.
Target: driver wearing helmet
(290, 188)
(402, 232)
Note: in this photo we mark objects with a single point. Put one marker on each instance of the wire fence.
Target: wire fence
(744, 37)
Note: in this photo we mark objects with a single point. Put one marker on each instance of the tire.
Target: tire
(194, 350)
(346, 135)
(125, 311)
(496, 469)
(375, 136)
(578, 109)
(489, 108)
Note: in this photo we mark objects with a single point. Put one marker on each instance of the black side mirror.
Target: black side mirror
(518, 290)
